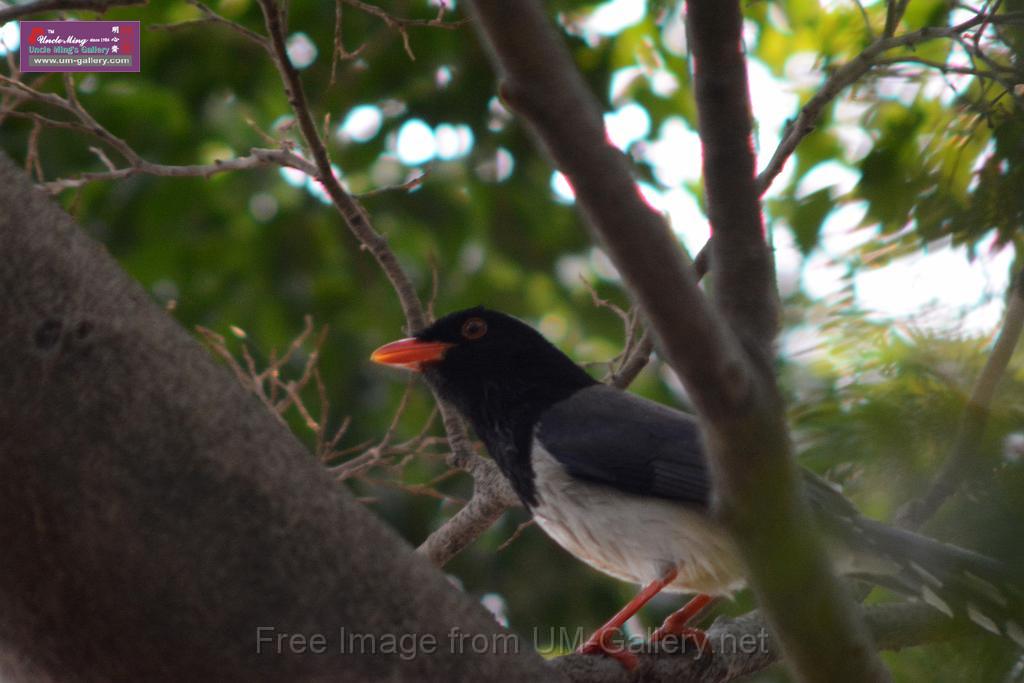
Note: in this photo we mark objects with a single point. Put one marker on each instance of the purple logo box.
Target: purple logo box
(80, 46)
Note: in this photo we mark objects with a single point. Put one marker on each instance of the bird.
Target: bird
(623, 484)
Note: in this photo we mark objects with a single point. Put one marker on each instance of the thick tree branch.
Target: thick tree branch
(809, 609)
(975, 415)
(744, 282)
(742, 414)
(540, 82)
(154, 515)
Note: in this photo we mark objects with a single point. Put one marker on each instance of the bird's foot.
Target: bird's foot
(677, 624)
(602, 642)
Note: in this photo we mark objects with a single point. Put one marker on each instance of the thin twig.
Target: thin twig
(32, 164)
(212, 18)
(86, 123)
(634, 363)
(339, 53)
(867, 19)
(257, 158)
(516, 534)
(373, 456)
(407, 186)
(402, 26)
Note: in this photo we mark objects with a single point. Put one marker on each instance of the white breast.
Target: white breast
(632, 537)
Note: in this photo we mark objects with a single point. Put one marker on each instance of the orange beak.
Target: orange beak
(410, 353)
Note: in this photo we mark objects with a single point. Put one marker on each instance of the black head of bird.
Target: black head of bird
(483, 354)
(622, 482)
(498, 372)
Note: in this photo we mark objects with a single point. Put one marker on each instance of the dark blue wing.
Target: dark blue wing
(608, 436)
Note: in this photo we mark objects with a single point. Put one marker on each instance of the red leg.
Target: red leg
(677, 622)
(598, 641)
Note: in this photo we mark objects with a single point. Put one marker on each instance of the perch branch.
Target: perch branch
(743, 646)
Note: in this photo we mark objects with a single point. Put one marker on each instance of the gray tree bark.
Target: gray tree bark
(154, 516)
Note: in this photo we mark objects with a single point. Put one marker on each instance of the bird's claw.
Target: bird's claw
(600, 643)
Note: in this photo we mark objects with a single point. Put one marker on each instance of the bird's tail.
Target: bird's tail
(954, 581)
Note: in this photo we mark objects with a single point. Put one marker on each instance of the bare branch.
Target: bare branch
(32, 164)
(865, 18)
(744, 282)
(634, 363)
(257, 158)
(402, 26)
(270, 383)
(516, 534)
(212, 18)
(427, 489)
(492, 496)
(894, 11)
(637, 348)
(407, 186)
(339, 53)
(943, 67)
(354, 215)
(492, 492)
(358, 465)
(99, 6)
(217, 343)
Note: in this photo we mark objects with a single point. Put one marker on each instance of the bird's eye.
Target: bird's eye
(474, 328)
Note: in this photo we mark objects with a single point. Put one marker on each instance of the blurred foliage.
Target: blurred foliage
(874, 404)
